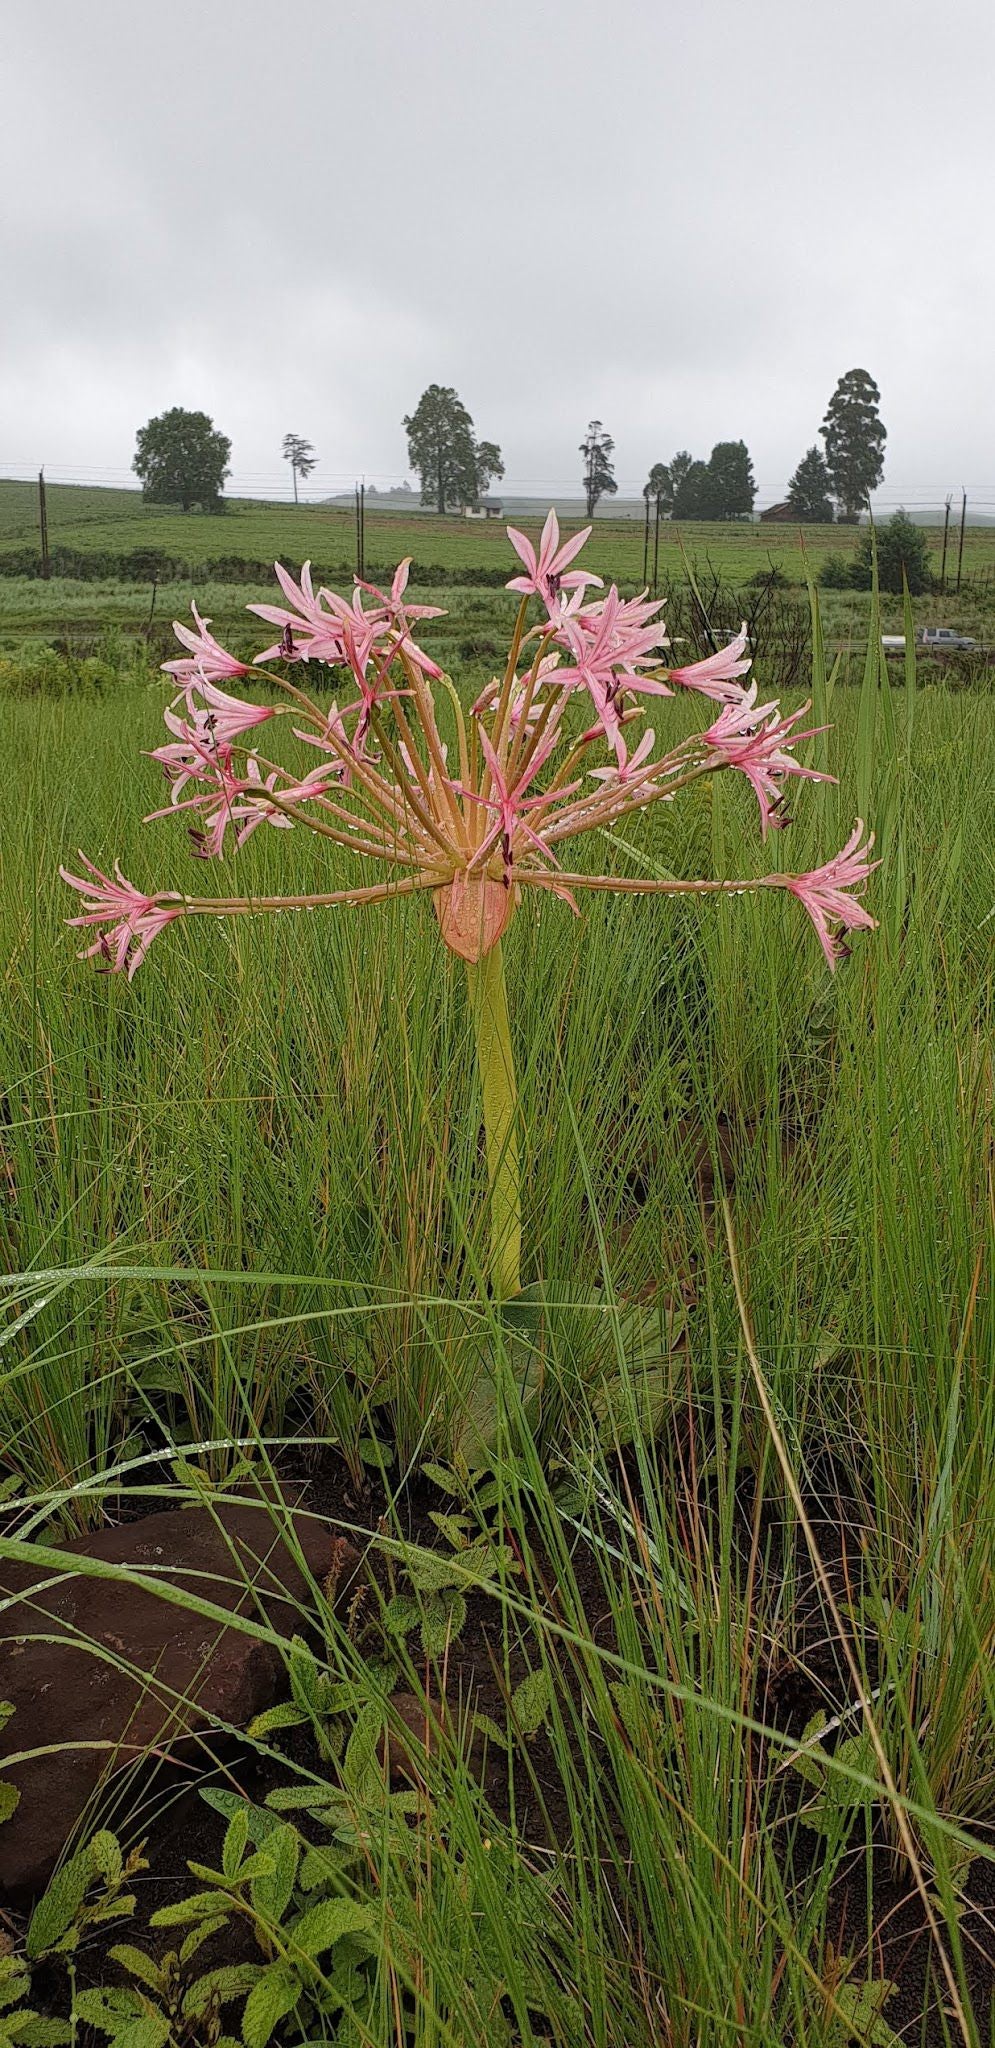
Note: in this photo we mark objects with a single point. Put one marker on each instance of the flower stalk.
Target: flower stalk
(496, 1067)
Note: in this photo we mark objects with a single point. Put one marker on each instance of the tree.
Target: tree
(301, 457)
(182, 459)
(808, 491)
(599, 471)
(692, 498)
(901, 545)
(731, 483)
(658, 489)
(441, 447)
(854, 438)
(680, 464)
(488, 463)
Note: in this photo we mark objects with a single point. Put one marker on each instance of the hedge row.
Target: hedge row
(154, 565)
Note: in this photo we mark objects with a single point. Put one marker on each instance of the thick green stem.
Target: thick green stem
(489, 1004)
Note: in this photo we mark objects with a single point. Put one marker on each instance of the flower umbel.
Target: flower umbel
(388, 788)
(471, 807)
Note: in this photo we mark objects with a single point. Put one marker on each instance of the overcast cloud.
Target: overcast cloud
(687, 219)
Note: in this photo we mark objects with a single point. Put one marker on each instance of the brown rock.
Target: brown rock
(125, 1670)
(427, 1728)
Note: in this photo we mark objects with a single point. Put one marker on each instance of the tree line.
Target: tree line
(182, 459)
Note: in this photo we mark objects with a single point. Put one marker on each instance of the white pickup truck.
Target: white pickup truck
(932, 640)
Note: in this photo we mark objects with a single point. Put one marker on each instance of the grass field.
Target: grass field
(118, 521)
(735, 1543)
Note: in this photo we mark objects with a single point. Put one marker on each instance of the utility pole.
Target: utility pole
(43, 526)
(656, 546)
(646, 538)
(943, 558)
(963, 523)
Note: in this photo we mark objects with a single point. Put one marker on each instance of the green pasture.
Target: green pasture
(118, 521)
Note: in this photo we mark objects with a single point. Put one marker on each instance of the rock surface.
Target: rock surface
(106, 1662)
(426, 1729)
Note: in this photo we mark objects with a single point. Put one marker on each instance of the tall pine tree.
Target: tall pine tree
(854, 438)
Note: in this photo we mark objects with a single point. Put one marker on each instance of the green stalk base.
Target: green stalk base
(492, 1032)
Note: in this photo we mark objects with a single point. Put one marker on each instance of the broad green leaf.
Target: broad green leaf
(59, 1906)
(197, 1907)
(401, 1615)
(443, 1622)
(105, 1850)
(271, 1998)
(271, 1891)
(37, 2032)
(235, 1843)
(286, 1715)
(441, 1477)
(304, 1675)
(322, 1926)
(360, 1772)
(531, 1702)
(232, 1980)
(137, 1963)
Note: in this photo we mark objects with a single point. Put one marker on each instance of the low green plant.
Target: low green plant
(88, 1890)
(441, 1580)
(21, 2025)
(315, 1946)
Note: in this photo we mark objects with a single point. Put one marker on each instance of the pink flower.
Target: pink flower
(490, 698)
(824, 894)
(610, 646)
(386, 629)
(219, 715)
(756, 743)
(624, 771)
(509, 802)
(195, 756)
(547, 573)
(246, 815)
(207, 658)
(332, 741)
(393, 605)
(715, 676)
(308, 631)
(327, 628)
(134, 919)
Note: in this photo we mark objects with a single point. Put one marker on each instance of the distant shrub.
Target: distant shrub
(40, 670)
(480, 647)
(835, 573)
(901, 546)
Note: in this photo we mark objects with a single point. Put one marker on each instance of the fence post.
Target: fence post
(963, 522)
(43, 526)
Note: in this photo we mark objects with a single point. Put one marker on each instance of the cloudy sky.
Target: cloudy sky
(686, 219)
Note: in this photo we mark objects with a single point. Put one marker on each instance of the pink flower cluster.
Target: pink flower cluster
(477, 836)
(134, 919)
